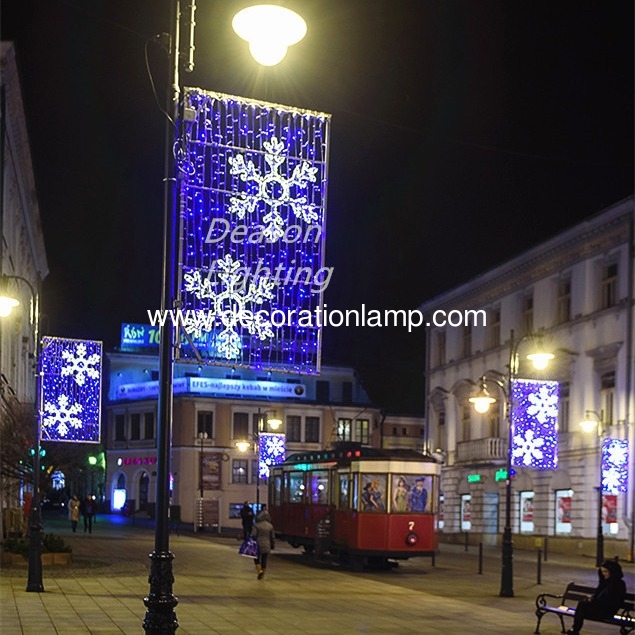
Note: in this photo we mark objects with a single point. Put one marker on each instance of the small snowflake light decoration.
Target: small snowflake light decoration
(70, 385)
(534, 414)
(614, 465)
(271, 451)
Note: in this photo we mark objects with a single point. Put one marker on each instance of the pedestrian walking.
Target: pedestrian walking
(264, 534)
(606, 599)
(73, 512)
(88, 511)
(247, 517)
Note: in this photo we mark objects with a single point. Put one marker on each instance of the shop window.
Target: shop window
(466, 512)
(564, 498)
(527, 512)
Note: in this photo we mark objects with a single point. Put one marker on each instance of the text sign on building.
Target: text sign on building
(534, 417)
(70, 406)
(252, 179)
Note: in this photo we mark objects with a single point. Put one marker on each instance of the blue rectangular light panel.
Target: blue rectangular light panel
(252, 198)
(70, 390)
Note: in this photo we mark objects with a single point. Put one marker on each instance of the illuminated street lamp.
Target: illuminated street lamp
(272, 422)
(481, 402)
(592, 422)
(160, 616)
(7, 304)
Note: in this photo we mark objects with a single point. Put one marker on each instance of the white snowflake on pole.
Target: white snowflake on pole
(618, 454)
(544, 405)
(528, 447)
(230, 306)
(61, 416)
(273, 189)
(81, 366)
(611, 480)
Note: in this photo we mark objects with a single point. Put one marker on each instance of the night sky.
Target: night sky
(463, 132)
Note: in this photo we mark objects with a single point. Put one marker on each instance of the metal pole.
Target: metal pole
(507, 571)
(599, 546)
(160, 617)
(260, 426)
(34, 582)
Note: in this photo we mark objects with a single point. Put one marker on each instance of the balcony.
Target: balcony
(487, 450)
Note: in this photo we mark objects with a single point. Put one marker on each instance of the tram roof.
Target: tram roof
(352, 452)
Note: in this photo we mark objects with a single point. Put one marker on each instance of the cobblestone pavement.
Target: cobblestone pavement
(102, 591)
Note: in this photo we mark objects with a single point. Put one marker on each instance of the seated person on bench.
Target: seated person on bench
(606, 599)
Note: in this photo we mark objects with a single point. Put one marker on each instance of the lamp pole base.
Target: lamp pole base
(34, 583)
(160, 618)
(507, 570)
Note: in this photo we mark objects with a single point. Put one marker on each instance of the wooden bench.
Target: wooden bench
(568, 601)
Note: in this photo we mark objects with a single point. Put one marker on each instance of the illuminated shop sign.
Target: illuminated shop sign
(211, 386)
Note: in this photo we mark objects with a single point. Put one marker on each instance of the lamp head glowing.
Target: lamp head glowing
(274, 422)
(243, 446)
(591, 421)
(7, 304)
(482, 401)
(540, 360)
(270, 30)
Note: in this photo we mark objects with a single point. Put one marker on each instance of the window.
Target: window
(312, 429)
(527, 512)
(205, 424)
(120, 427)
(607, 396)
(440, 348)
(362, 431)
(528, 314)
(467, 340)
(294, 432)
(135, 426)
(148, 425)
(494, 329)
(563, 407)
(466, 421)
(493, 421)
(239, 471)
(241, 425)
(344, 429)
(322, 391)
(609, 286)
(564, 301)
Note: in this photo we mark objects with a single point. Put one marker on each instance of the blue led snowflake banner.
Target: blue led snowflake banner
(271, 451)
(252, 190)
(614, 465)
(534, 415)
(70, 375)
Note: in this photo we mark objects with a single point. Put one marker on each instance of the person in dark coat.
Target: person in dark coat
(247, 517)
(606, 599)
(264, 534)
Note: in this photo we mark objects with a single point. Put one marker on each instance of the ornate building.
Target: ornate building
(573, 294)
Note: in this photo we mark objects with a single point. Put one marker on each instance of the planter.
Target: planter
(48, 559)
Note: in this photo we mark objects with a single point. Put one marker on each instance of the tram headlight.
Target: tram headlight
(412, 539)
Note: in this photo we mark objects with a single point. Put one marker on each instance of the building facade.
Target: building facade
(214, 409)
(573, 295)
(23, 264)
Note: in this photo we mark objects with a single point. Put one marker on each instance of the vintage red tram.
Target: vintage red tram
(360, 504)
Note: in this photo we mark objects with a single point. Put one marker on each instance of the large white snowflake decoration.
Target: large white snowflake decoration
(231, 307)
(617, 453)
(528, 447)
(273, 189)
(79, 365)
(544, 404)
(611, 480)
(61, 416)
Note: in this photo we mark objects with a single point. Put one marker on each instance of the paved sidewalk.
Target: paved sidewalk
(102, 591)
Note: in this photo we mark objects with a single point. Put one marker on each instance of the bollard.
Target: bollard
(434, 558)
(545, 553)
(480, 558)
(467, 540)
(538, 570)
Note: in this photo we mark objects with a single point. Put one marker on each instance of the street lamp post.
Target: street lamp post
(482, 402)
(593, 421)
(7, 303)
(160, 616)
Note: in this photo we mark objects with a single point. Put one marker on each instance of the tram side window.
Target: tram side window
(344, 490)
(296, 487)
(411, 493)
(319, 487)
(277, 490)
(373, 497)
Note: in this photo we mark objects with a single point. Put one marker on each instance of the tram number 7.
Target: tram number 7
(411, 525)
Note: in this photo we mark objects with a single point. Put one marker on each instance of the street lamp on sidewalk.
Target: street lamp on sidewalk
(160, 616)
(482, 401)
(7, 304)
(593, 422)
